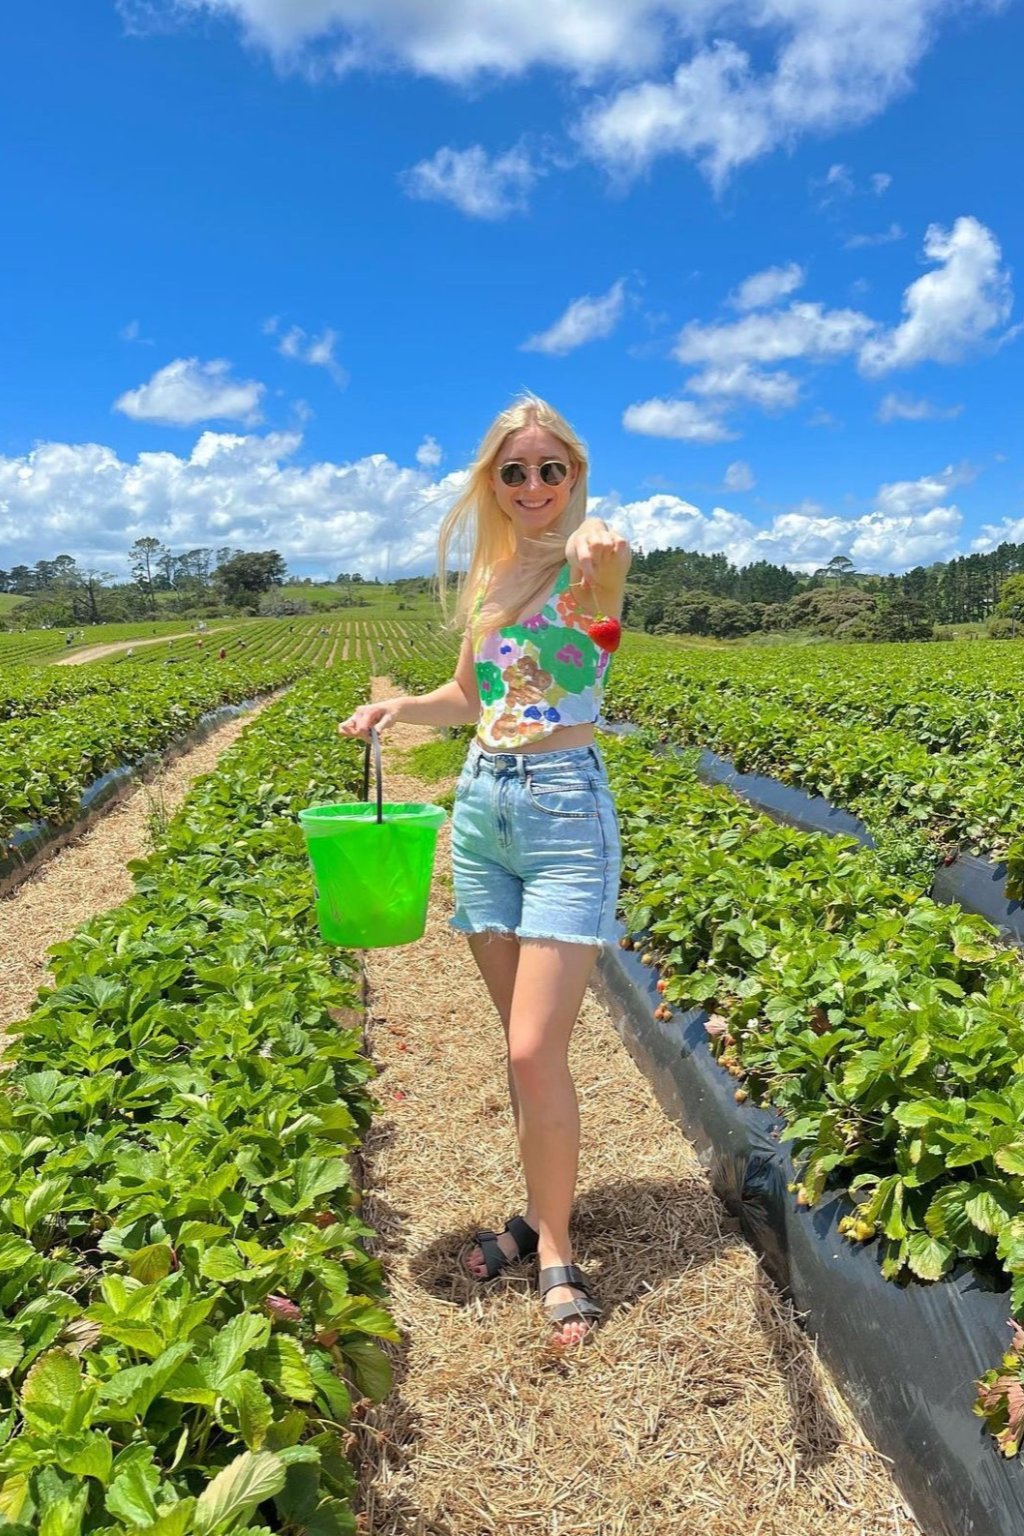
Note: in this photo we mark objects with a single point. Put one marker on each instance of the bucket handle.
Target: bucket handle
(375, 739)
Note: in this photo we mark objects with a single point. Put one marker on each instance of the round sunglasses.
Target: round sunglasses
(552, 472)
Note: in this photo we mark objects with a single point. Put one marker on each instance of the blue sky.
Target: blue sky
(271, 267)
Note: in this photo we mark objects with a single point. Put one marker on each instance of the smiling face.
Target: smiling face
(533, 507)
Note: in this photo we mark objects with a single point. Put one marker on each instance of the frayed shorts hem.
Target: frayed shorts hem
(531, 933)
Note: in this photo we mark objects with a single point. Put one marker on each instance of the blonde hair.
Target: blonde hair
(477, 521)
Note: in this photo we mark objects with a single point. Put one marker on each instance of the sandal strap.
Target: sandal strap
(523, 1235)
(562, 1274)
(581, 1307)
(494, 1259)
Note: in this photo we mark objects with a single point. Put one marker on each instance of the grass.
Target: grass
(8, 602)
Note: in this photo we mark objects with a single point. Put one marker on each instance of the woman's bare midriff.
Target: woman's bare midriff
(561, 740)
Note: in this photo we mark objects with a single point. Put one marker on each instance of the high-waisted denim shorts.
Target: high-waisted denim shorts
(535, 846)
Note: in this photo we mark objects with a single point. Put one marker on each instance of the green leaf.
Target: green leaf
(222, 1263)
(253, 1406)
(330, 1387)
(11, 1350)
(63, 1517)
(989, 1206)
(284, 1365)
(89, 1455)
(175, 1522)
(243, 1333)
(130, 1393)
(130, 1495)
(1011, 1157)
(370, 1367)
(16, 1499)
(236, 1491)
(151, 1263)
(929, 1257)
(50, 1390)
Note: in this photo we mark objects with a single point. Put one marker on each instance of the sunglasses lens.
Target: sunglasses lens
(512, 474)
(553, 472)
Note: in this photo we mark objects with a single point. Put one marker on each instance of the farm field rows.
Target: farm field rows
(186, 1306)
(51, 747)
(927, 737)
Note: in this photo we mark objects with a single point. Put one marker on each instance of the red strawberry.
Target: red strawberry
(607, 633)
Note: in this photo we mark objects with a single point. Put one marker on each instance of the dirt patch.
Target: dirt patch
(89, 875)
(700, 1406)
(97, 652)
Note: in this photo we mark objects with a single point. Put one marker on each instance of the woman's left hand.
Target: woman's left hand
(601, 554)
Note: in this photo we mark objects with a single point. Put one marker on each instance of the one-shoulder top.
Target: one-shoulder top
(539, 675)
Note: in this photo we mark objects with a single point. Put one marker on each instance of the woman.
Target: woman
(535, 838)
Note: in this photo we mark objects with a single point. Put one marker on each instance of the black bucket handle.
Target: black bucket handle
(375, 739)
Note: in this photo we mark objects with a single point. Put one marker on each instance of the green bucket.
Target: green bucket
(372, 865)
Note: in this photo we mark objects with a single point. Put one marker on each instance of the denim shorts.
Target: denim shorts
(535, 846)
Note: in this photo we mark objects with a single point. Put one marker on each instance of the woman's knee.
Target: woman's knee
(536, 1061)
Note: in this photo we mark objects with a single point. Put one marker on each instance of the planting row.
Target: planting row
(185, 1300)
(47, 760)
(887, 1030)
(955, 783)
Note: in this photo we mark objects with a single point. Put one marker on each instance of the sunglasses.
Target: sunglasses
(552, 472)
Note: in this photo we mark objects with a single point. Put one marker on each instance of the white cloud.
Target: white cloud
(586, 319)
(828, 64)
(481, 185)
(907, 497)
(900, 530)
(234, 489)
(187, 391)
(247, 491)
(429, 454)
(950, 312)
(739, 477)
(682, 419)
(133, 332)
(801, 330)
(1009, 531)
(837, 63)
(767, 287)
(740, 381)
(895, 407)
(883, 237)
(952, 309)
(317, 351)
(881, 181)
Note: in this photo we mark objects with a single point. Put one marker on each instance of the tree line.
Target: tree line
(685, 592)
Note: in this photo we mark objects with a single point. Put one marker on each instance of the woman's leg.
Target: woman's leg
(497, 956)
(551, 978)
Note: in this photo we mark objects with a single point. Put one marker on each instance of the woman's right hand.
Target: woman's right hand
(382, 716)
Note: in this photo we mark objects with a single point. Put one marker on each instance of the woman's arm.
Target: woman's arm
(603, 558)
(455, 703)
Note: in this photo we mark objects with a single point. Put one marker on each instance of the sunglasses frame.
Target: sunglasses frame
(540, 468)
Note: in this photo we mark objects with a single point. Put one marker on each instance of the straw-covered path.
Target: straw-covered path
(90, 875)
(699, 1407)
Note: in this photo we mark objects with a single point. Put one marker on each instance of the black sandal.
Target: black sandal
(522, 1234)
(584, 1308)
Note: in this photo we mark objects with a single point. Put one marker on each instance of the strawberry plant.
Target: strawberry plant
(886, 1029)
(186, 1303)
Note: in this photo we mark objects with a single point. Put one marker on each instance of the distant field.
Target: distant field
(8, 603)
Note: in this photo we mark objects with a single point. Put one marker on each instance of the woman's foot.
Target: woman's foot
(494, 1251)
(568, 1303)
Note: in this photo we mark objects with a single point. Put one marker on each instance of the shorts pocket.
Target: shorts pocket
(572, 798)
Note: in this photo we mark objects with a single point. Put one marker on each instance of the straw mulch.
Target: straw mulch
(89, 875)
(698, 1407)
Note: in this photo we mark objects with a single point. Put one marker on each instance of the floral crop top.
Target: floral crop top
(539, 675)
